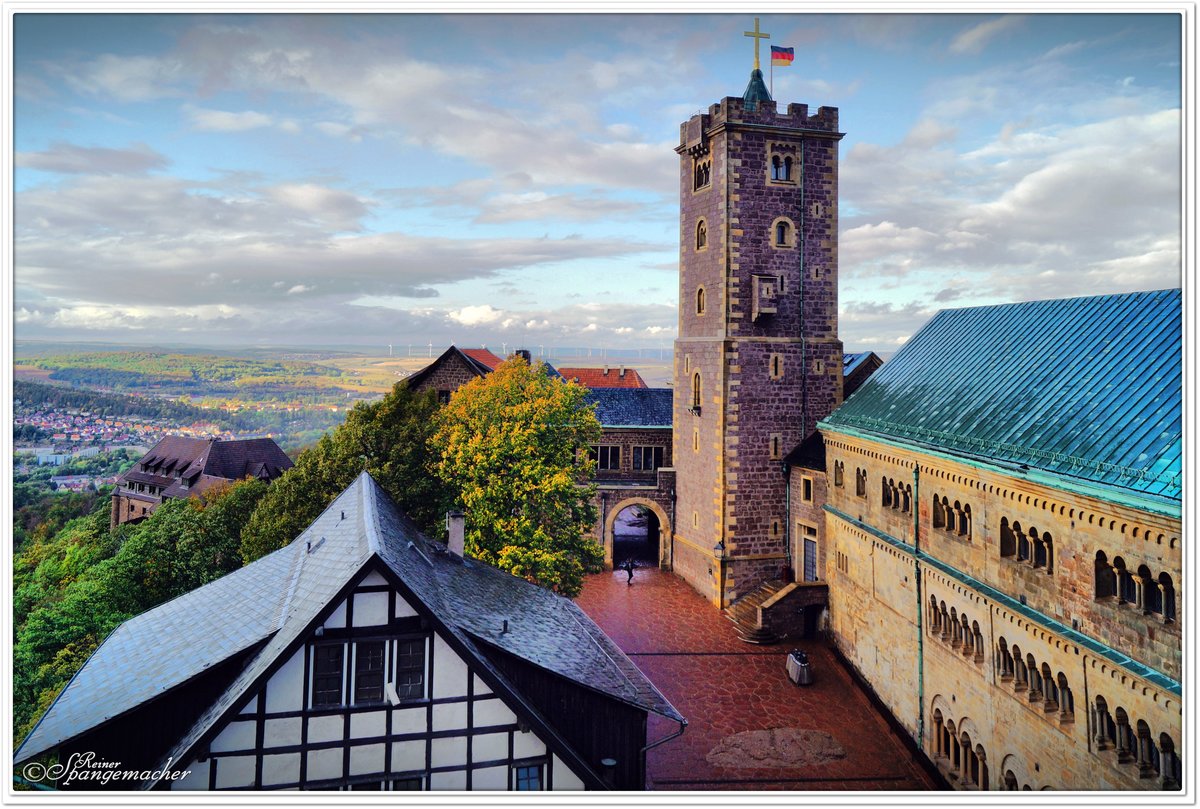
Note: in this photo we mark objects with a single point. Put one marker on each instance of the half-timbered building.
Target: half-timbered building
(362, 656)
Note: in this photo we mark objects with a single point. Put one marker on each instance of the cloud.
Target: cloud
(337, 209)
(476, 315)
(125, 78)
(974, 39)
(67, 158)
(223, 121)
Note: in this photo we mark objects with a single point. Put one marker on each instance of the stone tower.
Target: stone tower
(758, 360)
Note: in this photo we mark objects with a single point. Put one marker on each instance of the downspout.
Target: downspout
(682, 727)
(916, 507)
(787, 517)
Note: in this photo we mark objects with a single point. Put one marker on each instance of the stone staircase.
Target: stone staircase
(747, 617)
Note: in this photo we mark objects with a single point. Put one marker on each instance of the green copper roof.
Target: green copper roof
(756, 91)
(1087, 388)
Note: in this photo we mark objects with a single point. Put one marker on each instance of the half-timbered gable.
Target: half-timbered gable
(367, 661)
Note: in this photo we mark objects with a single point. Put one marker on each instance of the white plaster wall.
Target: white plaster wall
(449, 752)
(493, 712)
(285, 689)
(235, 771)
(364, 725)
(408, 720)
(450, 717)
(494, 778)
(564, 778)
(373, 579)
(337, 619)
(527, 745)
(481, 687)
(407, 756)
(449, 671)
(283, 768)
(366, 758)
(403, 608)
(234, 736)
(280, 732)
(324, 728)
(448, 780)
(370, 609)
(492, 747)
(324, 764)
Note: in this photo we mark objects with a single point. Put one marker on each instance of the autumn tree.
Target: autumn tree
(388, 438)
(513, 445)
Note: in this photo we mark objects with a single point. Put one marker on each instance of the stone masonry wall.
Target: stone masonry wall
(449, 375)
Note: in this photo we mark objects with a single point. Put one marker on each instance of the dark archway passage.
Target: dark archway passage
(635, 535)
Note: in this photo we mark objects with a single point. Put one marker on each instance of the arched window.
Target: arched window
(1051, 689)
(949, 511)
(978, 641)
(1049, 542)
(1022, 542)
(1066, 700)
(700, 301)
(907, 507)
(969, 771)
(1124, 737)
(954, 626)
(776, 167)
(1004, 662)
(1039, 550)
(964, 526)
(1126, 586)
(696, 392)
(1010, 781)
(968, 638)
(1151, 596)
(1008, 540)
(839, 471)
(886, 493)
(1105, 727)
(1035, 679)
(1106, 580)
(939, 513)
(1171, 768)
(787, 168)
(939, 749)
(981, 760)
(1147, 752)
(701, 235)
(783, 233)
(860, 482)
(1167, 590)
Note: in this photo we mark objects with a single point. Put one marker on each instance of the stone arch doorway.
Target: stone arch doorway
(637, 527)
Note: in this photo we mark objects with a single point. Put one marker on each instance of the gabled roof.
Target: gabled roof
(851, 362)
(482, 356)
(631, 407)
(177, 456)
(1083, 388)
(280, 595)
(604, 377)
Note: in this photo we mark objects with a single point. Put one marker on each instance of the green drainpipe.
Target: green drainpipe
(916, 507)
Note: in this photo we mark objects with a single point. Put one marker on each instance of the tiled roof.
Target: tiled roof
(283, 592)
(1084, 388)
(604, 377)
(632, 407)
(483, 356)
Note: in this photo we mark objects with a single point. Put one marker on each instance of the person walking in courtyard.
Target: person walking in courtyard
(627, 566)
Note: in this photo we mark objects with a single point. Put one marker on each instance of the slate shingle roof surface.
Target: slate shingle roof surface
(177, 456)
(632, 407)
(283, 592)
(604, 377)
(1085, 388)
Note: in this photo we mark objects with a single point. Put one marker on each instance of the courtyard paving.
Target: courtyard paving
(749, 727)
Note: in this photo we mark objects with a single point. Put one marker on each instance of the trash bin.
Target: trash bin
(798, 669)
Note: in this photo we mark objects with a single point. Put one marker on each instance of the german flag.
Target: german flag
(782, 57)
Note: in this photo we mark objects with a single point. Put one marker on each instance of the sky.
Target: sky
(511, 179)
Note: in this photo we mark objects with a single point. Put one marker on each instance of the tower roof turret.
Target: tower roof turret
(756, 91)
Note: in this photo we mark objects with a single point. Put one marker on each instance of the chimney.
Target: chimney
(525, 355)
(606, 370)
(622, 374)
(457, 532)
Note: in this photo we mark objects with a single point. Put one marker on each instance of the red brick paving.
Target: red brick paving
(724, 686)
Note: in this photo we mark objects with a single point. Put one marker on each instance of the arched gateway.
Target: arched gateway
(657, 526)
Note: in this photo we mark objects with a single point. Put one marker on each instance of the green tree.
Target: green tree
(513, 444)
(388, 438)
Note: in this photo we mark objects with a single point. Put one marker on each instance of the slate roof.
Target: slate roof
(852, 361)
(177, 456)
(1084, 388)
(604, 377)
(278, 596)
(631, 407)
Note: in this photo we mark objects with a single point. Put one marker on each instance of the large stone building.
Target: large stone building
(178, 466)
(758, 361)
(1003, 541)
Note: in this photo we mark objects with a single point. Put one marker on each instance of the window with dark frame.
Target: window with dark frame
(527, 778)
(647, 459)
(443, 397)
(607, 457)
(368, 672)
(410, 668)
(327, 674)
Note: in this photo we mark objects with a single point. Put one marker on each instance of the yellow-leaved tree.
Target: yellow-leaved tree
(514, 445)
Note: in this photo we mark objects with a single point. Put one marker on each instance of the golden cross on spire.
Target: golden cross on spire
(757, 36)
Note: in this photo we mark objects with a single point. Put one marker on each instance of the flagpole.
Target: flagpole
(772, 75)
